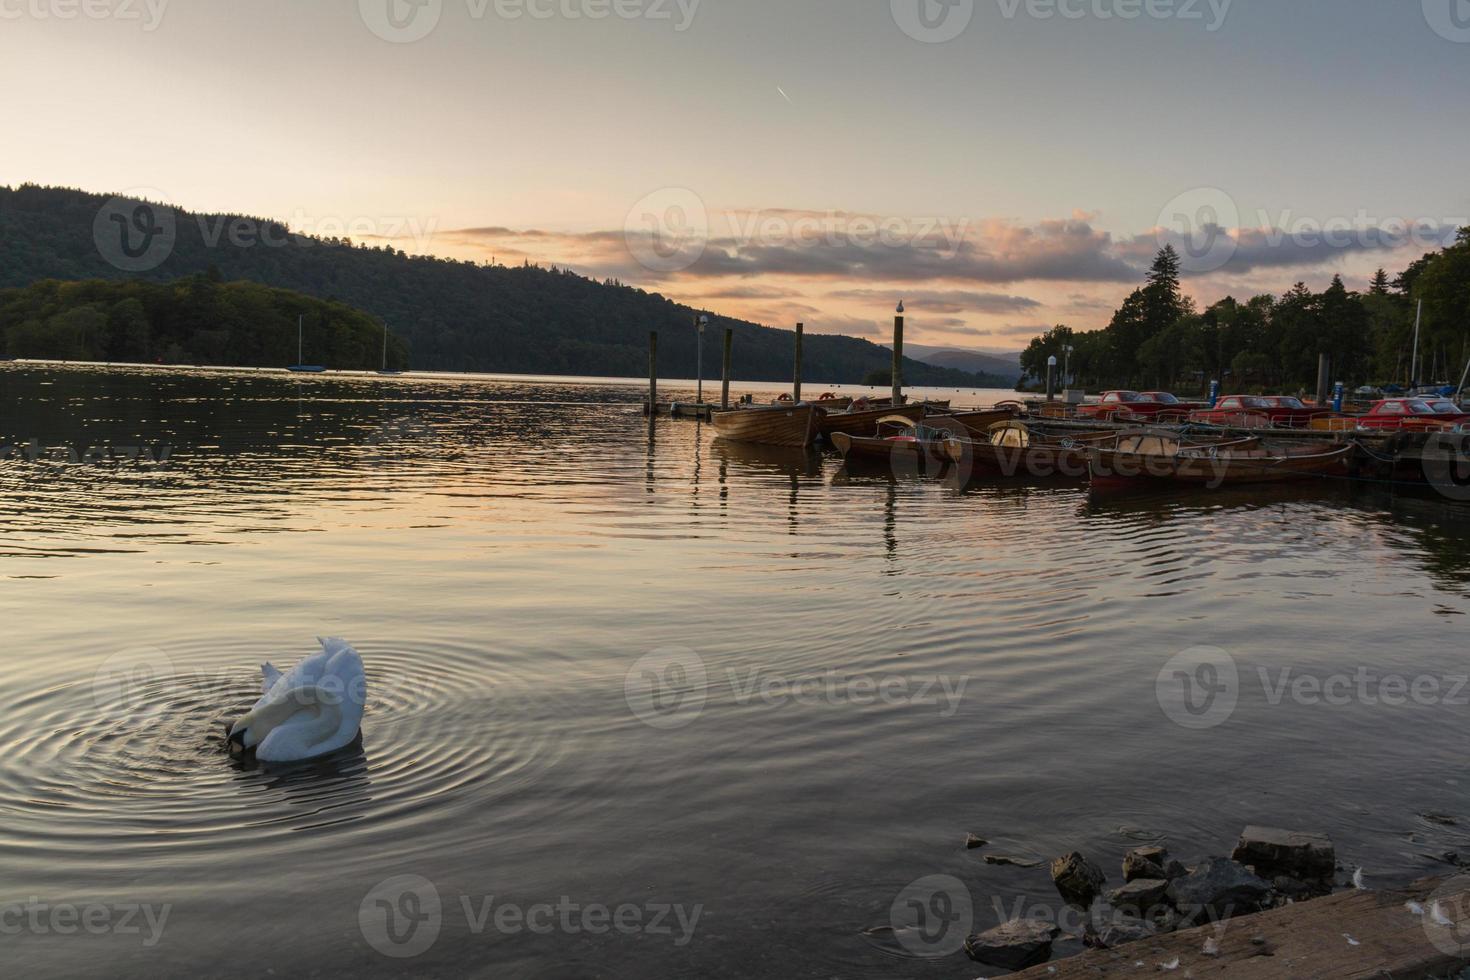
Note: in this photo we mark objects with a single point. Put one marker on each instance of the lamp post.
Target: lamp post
(700, 324)
(1051, 374)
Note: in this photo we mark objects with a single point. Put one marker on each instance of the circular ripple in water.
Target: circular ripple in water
(134, 757)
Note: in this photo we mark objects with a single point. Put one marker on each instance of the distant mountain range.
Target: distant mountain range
(452, 315)
(1006, 367)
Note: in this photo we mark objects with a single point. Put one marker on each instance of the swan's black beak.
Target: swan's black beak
(235, 742)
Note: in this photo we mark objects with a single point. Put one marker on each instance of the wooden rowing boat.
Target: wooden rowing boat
(909, 442)
(773, 425)
(975, 423)
(1225, 464)
(864, 423)
(1017, 449)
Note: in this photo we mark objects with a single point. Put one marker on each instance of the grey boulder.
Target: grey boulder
(1014, 945)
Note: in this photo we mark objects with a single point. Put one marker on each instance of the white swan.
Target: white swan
(313, 709)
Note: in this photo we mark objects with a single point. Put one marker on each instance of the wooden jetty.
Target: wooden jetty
(1353, 935)
(683, 410)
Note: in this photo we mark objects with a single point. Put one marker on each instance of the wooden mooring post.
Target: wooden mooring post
(725, 369)
(796, 370)
(898, 357)
(652, 378)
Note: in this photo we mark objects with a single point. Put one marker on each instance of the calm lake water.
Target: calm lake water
(668, 709)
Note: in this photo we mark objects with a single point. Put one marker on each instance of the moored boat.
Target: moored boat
(864, 422)
(772, 425)
(1018, 449)
(976, 423)
(1161, 458)
(899, 439)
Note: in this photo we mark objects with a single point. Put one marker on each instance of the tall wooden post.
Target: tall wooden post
(1324, 371)
(796, 371)
(898, 357)
(725, 369)
(652, 377)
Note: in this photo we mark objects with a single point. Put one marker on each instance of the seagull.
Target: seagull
(784, 95)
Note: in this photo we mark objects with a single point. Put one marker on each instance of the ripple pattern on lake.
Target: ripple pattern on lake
(505, 555)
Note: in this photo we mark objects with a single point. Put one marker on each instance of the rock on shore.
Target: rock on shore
(1014, 945)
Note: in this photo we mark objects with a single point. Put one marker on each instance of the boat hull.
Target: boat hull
(864, 423)
(795, 426)
(1110, 468)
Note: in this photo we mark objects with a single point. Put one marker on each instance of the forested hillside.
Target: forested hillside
(192, 321)
(452, 315)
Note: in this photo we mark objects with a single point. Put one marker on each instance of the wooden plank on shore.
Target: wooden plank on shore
(1352, 935)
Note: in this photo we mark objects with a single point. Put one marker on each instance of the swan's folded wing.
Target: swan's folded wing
(269, 675)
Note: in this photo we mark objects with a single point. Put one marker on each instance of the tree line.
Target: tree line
(1158, 339)
(452, 315)
(193, 321)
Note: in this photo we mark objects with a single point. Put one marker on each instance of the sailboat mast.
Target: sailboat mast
(385, 346)
(300, 327)
(1414, 361)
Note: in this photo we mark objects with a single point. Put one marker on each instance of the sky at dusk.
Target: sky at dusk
(1001, 165)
